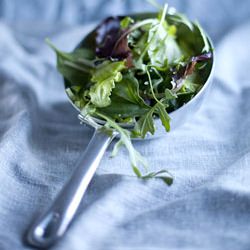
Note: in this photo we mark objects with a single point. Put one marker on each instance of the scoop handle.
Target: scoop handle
(53, 223)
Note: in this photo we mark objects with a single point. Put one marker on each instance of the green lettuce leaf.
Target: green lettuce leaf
(178, 19)
(203, 36)
(121, 108)
(163, 49)
(76, 67)
(128, 89)
(104, 78)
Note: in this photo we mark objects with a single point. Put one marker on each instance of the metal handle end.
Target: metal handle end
(46, 231)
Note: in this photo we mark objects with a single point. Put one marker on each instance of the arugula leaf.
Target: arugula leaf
(162, 174)
(104, 78)
(160, 109)
(135, 157)
(169, 95)
(116, 148)
(145, 124)
(137, 171)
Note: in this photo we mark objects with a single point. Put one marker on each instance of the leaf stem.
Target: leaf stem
(151, 87)
(75, 66)
(134, 27)
(86, 62)
(137, 26)
(135, 156)
(163, 17)
(164, 13)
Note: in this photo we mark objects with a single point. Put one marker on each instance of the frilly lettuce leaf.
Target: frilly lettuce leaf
(104, 78)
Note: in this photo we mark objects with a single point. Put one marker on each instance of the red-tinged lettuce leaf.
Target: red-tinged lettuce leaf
(111, 41)
(182, 72)
(107, 34)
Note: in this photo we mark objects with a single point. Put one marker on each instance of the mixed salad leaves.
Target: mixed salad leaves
(132, 69)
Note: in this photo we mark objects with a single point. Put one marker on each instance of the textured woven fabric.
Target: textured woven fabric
(207, 207)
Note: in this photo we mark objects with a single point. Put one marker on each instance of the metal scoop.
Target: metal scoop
(53, 223)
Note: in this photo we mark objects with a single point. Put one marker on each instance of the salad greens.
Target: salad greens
(132, 69)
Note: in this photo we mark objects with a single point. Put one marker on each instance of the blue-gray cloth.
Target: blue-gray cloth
(207, 207)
